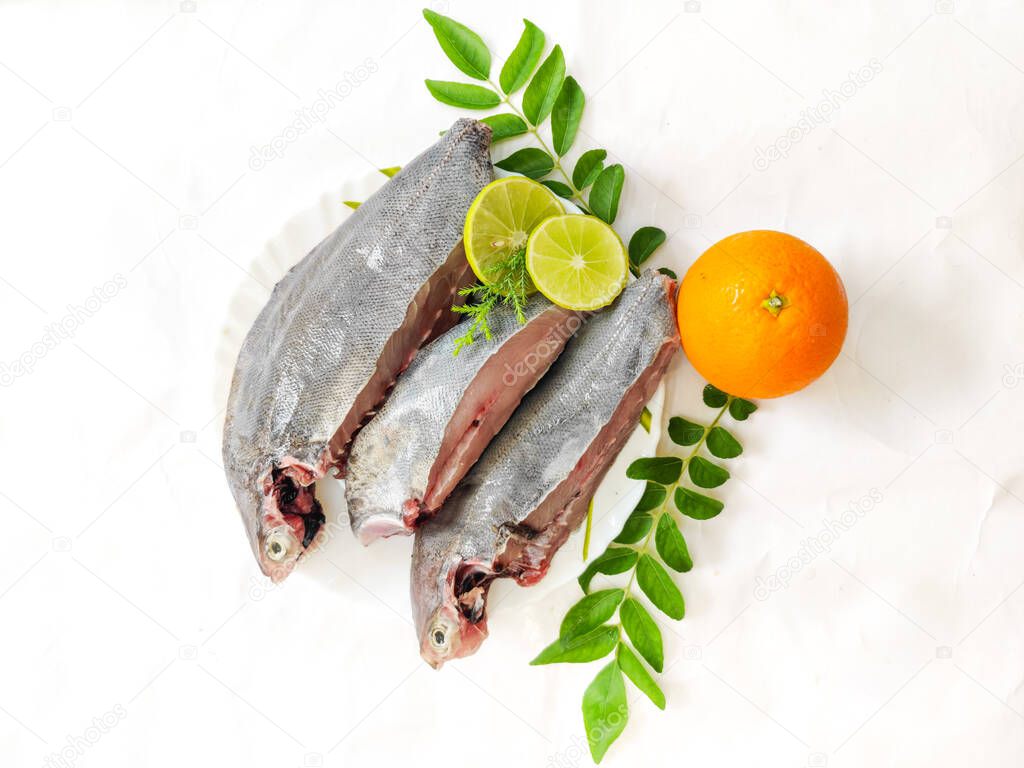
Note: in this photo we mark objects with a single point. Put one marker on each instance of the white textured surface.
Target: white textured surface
(126, 585)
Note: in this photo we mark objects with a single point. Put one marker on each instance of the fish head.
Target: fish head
(450, 635)
(449, 607)
(282, 519)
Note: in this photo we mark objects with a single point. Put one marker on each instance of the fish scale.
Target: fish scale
(337, 330)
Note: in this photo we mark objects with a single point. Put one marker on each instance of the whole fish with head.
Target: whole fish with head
(336, 332)
(532, 486)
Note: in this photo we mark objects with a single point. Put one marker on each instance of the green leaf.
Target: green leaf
(566, 115)
(604, 197)
(660, 469)
(588, 168)
(462, 95)
(590, 612)
(461, 44)
(697, 505)
(605, 710)
(645, 419)
(523, 59)
(671, 545)
(505, 126)
(590, 525)
(740, 409)
(659, 587)
(390, 171)
(705, 474)
(643, 243)
(668, 272)
(723, 445)
(540, 95)
(635, 528)
(642, 632)
(353, 204)
(613, 560)
(531, 162)
(714, 397)
(684, 432)
(638, 673)
(581, 648)
(560, 189)
(654, 496)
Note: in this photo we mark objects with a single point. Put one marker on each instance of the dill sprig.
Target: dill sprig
(509, 288)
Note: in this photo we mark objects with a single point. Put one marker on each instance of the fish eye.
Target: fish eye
(438, 637)
(277, 545)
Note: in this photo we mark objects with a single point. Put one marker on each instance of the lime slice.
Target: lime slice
(501, 219)
(578, 262)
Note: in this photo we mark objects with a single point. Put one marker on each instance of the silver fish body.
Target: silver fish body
(336, 331)
(443, 412)
(532, 486)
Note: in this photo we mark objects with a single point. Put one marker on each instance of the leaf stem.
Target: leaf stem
(670, 491)
(577, 195)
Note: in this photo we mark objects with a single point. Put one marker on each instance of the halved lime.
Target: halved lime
(500, 221)
(578, 262)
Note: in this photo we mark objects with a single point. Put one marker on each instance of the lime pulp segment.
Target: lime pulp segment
(578, 262)
(499, 223)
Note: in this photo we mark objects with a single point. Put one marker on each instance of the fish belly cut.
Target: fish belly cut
(443, 413)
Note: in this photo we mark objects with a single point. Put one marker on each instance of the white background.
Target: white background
(126, 583)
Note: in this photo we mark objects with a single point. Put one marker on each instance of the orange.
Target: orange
(762, 314)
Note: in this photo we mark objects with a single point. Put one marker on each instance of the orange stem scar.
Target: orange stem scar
(775, 303)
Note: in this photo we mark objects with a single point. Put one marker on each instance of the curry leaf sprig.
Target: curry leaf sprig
(550, 97)
(509, 288)
(650, 540)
